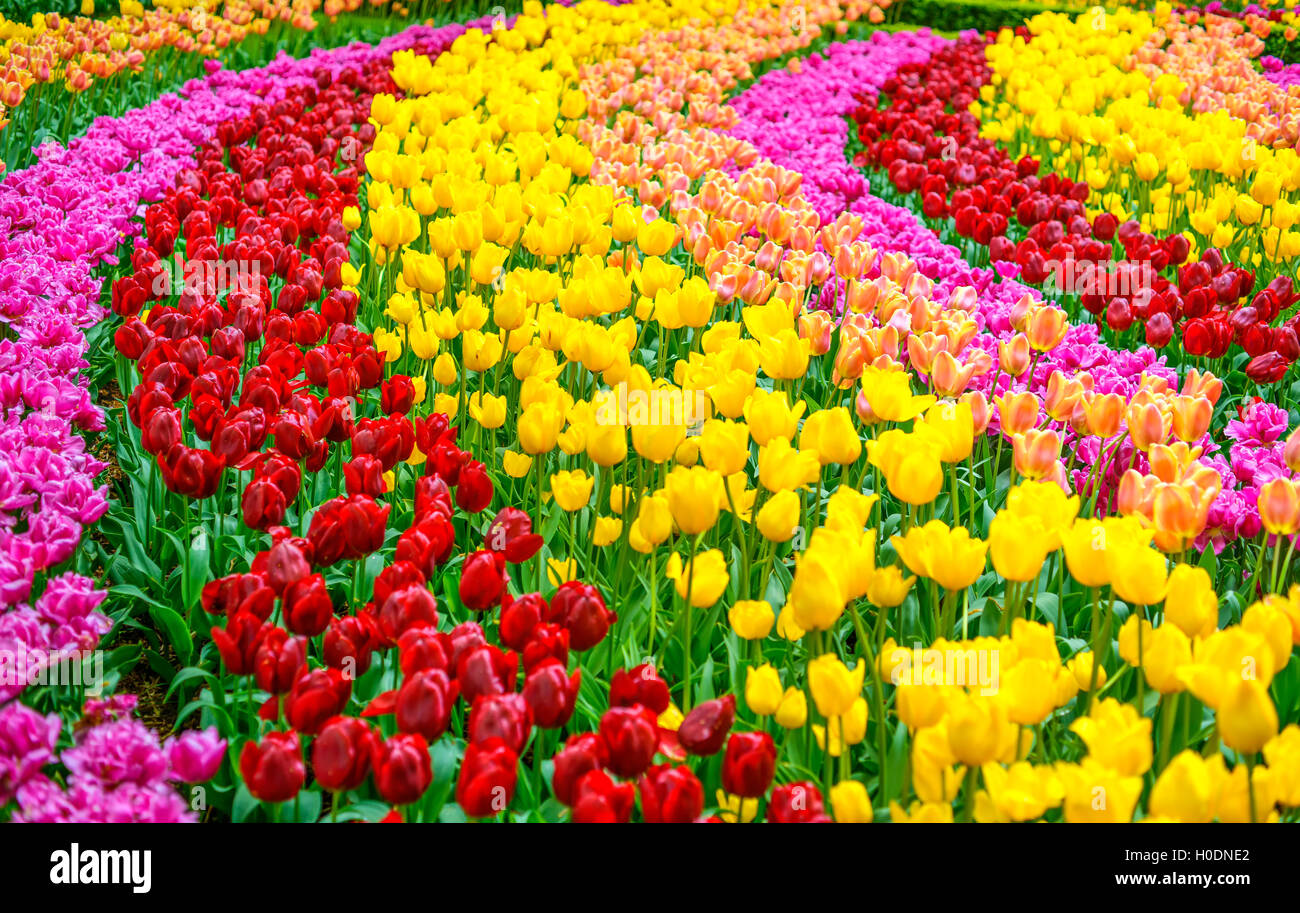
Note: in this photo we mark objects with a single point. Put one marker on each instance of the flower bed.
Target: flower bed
(554, 422)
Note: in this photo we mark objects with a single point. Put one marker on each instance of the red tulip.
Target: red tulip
(473, 488)
(632, 736)
(483, 580)
(403, 770)
(797, 803)
(599, 800)
(639, 685)
(316, 696)
(580, 608)
(307, 606)
(340, 755)
(511, 532)
(583, 752)
(749, 764)
(487, 779)
(547, 641)
(272, 768)
(424, 703)
(278, 659)
(238, 593)
(238, 641)
(551, 693)
(520, 618)
(671, 795)
(503, 716)
(484, 670)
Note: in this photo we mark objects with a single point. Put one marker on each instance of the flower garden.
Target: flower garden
(650, 411)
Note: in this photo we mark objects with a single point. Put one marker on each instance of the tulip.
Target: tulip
(671, 795)
(632, 737)
(1246, 715)
(307, 606)
(640, 686)
(751, 619)
(424, 703)
(272, 768)
(851, 803)
(797, 803)
(694, 497)
(194, 756)
(483, 580)
(580, 608)
(551, 694)
(316, 696)
(571, 490)
(500, 716)
(749, 764)
(583, 752)
(340, 754)
(834, 687)
(763, 694)
(599, 800)
(402, 767)
(703, 581)
(705, 728)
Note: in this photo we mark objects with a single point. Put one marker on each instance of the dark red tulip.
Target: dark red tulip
(1268, 368)
(424, 648)
(412, 606)
(263, 504)
(350, 643)
(705, 728)
(424, 703)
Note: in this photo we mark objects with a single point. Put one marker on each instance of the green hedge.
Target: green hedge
(982, 15)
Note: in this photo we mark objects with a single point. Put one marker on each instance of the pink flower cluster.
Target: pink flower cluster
(800, 121)
(116, 771)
